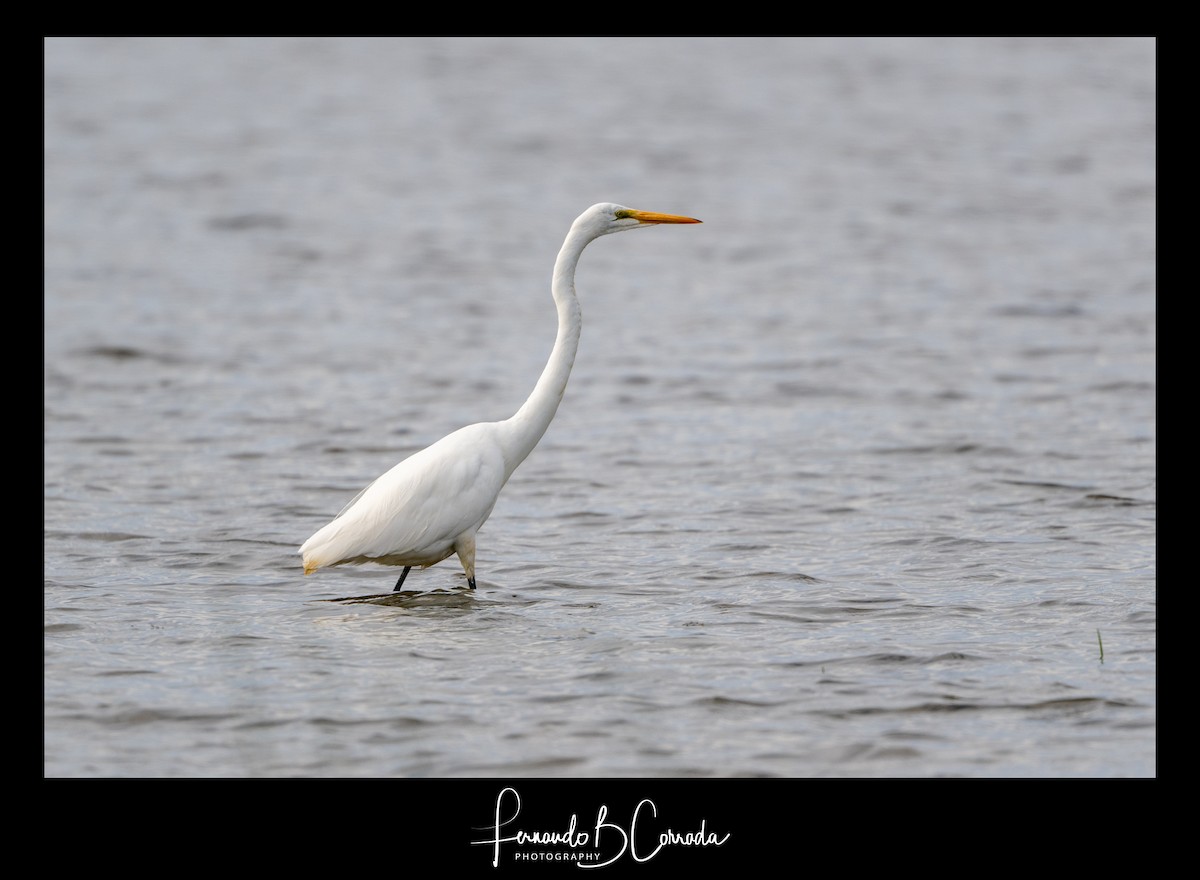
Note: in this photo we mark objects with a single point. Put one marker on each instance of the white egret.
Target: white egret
(431, 505)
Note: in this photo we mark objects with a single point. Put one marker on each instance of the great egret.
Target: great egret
(430, 505)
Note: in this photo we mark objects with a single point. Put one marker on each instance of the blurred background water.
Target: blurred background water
(855, 479)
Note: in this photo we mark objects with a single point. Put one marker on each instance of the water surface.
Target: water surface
(856, 479)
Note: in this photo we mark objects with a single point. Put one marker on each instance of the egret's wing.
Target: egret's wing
(414, 514)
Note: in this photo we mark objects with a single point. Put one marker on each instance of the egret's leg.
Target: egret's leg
(403, 575)
(466, 555)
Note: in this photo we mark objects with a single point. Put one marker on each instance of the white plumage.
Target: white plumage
(431, 505)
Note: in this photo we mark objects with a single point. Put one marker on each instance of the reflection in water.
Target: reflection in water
(461, 598)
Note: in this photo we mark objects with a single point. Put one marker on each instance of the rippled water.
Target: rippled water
(855, 479)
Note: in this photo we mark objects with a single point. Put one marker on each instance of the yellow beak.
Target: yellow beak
(653, 217)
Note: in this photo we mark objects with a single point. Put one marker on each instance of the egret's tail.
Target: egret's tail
(311, 562)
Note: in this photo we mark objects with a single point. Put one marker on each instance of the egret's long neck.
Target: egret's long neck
(524, 430)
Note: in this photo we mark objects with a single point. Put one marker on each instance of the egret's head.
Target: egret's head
(605, 218)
